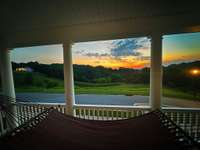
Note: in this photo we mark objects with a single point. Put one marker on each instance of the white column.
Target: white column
(7, 82)
(68, 78)
(156, 71)
(7, 74)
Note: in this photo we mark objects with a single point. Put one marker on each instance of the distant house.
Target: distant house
(24, 69)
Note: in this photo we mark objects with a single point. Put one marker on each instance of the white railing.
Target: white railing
(187, 118)
(106, 112)
(25, 111)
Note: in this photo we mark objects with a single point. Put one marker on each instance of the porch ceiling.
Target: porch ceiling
(28, 23)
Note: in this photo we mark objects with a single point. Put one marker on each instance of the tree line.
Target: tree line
(175, 75)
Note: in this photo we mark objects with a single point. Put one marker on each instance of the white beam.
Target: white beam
(68, 78)
(156, 71)
(7, 74)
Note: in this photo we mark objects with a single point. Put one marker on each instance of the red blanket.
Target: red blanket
(61, 132)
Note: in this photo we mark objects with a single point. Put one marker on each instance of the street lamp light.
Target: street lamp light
(195, 72)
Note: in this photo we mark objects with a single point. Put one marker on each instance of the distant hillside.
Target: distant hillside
(35, 79)
(175, 75)
(86, 73)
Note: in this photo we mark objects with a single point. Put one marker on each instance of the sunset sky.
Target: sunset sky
(128, 53)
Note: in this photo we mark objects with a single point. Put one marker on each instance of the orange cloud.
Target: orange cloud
(112, 62)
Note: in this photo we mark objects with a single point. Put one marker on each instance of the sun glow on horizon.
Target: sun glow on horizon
(126, 53)
(120, 53)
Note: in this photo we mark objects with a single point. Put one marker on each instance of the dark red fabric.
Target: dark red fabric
(61, 132)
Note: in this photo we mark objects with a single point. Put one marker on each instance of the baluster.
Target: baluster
(35, 110)
(81, 110)
(74, 109)
(30, 110)
(190, 124)
(84, 113)
(22, 113)
(184, 121)
(102, 114)
(137, 113)
(127, 114)
(1, 123)
(25, 112)
(93, 113)
(63, 110)
(78, 112)
(97, 114)
(178, 118)
(117, 114)
(112, 115)
(106, 114)
(38, 109)
(120, 115)
(19, 114)
(124, 116)
(22, 110)
(196, 125)
(173, 116)
(89, 114)
(134, 113)
(58, 108)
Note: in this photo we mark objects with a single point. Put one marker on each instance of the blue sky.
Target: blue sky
(130, 53)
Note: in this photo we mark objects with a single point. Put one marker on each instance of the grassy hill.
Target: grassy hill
(37, 82)
(177, 81)
(31, 80)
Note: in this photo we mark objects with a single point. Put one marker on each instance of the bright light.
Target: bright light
(195, 71)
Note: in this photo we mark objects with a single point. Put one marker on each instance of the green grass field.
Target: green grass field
(112, 89)
(37, 82)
